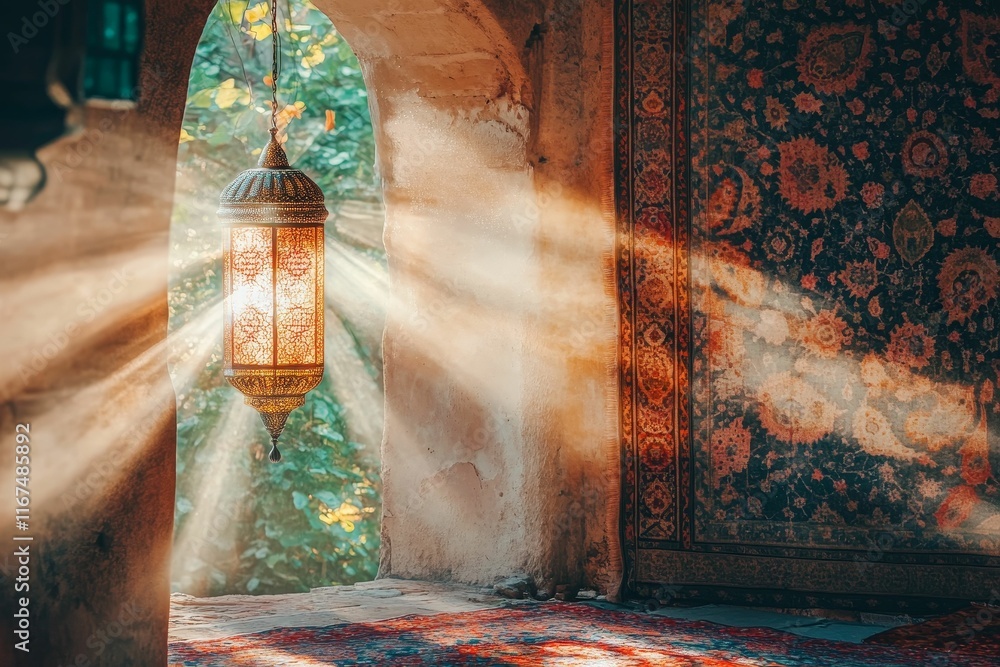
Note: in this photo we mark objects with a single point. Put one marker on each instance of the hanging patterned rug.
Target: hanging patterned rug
(799, 236)
(974, 630)
(549, 634)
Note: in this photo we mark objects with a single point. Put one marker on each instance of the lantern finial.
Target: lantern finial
(273, 156)
(272, 415)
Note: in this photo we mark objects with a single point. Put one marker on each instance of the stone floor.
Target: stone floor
(194, 618)
(212, 618)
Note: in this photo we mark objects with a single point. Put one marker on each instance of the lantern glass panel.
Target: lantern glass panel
(251, 264)
(298, 295)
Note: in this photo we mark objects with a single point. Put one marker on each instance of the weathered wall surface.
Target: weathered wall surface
(83, 276)
(573, 404)
(492, 130)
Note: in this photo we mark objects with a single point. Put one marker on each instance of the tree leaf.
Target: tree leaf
(300, 500)
(256, 13)
(328, 497)
(203, 98)
(314, 57)
(233, 9)
(259, 31)
(228, 94)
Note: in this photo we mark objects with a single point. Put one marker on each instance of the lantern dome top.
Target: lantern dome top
(272, 192)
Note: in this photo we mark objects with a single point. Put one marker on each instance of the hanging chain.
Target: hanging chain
(274, 65)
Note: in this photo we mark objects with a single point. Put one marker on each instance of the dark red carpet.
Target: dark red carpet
(550, 634)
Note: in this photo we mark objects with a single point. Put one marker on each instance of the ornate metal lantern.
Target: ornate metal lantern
(272, 277)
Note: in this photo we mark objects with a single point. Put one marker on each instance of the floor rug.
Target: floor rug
(974, 630)
(550, 634)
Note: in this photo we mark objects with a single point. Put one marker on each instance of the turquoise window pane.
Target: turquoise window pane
(114, 39)
(112, 26)
(131, 29)
(125, 82)
(89, 76)
(107, 79)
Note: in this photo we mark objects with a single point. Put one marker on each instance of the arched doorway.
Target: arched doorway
(243, 525)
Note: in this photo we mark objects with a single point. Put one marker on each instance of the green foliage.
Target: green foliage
(309, 521)
(226, 121)
(244, 525)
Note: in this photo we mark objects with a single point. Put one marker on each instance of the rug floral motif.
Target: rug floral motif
(974, 630)
(551, 634)
(809, 266)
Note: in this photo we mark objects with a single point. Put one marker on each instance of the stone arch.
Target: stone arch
(106, 494)
(463, 159)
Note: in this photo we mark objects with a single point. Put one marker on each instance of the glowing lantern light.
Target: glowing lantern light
(272, 278)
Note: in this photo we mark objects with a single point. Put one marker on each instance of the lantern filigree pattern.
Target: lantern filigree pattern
(272, 256)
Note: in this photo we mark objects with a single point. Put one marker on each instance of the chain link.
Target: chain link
(274, 65)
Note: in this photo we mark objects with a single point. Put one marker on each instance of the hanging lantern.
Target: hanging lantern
(272, 281)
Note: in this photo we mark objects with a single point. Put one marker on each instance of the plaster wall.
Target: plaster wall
(493, 131)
